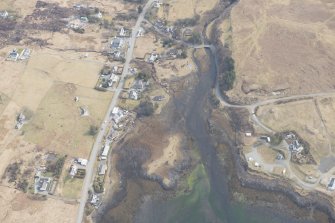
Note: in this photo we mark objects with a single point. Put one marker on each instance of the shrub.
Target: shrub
(59, 166)
(195, 38)
(12, 171)
(227, 78)
(93, 130)
(187, 22)
(79, 30)
(98, 185)
(56, 167)
(167, 43)
(143, 76)
(214, 100)
(139, 9)
(22, 185)
(145, 108)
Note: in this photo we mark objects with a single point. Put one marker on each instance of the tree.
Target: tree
(195, 38)
(93, 130)
(145, 108)
(227, 78)
(183, 55)
(140, 9)
(143, 76)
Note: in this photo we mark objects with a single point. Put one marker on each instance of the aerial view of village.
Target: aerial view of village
(169, 111)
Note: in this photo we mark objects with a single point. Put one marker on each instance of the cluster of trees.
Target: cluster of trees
(145, 109)
(227, 78)
(167, 43)
(143, 76)
(93, 130)
(12, 171)
(187, 22)
(22, 185)
(214, 100)
(131, 159)
(56, 167)
(98, 185)
(195, 38)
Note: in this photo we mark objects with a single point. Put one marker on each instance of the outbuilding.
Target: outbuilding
(331, 184)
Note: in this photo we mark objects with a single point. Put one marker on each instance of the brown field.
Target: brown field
(169, 156)
(46, 66)
(57, 124)
(161, 104)
(327, 109)
(147, 44)
(174, 68)
(268, 155)
(21, 7)
(17, 207)
(185, 9)
(90, 41)
(285, 46)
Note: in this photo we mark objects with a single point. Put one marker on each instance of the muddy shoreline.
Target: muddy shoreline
(313, 199)
(192, 104)
(258, 183)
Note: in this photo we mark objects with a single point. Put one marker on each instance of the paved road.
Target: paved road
(100, 137)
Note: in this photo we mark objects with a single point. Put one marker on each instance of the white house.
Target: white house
(331, 184)
(105, 151)
(133, 95)
(82, 162)
(73, 170)
(4, 14)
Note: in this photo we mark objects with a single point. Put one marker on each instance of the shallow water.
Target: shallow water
(209, 199)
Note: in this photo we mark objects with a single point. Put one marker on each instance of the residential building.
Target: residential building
(331, 184)
(14, 55)
(102, 168)
(105, 151)
(82, 162)
(116, 43)
(73, 170)
(118, 114)
(133, 95)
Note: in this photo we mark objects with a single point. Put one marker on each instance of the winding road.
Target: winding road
(90, 170)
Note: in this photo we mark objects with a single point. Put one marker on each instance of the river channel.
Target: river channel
(210, 199)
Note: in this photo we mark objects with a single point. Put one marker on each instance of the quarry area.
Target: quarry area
(89, 91)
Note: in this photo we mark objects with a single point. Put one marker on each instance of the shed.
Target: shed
(102, 168)
(331, 184)
(105, 150)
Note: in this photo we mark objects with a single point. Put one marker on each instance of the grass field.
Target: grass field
(57, 124)
(72, 187)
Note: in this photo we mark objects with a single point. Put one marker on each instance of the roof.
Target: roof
(73, 170)
(115, 110)
(82, 161)
(133, 94)
(102, 168)
(44, 186)
(116, 43)
(105, 150)
(331, 184)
